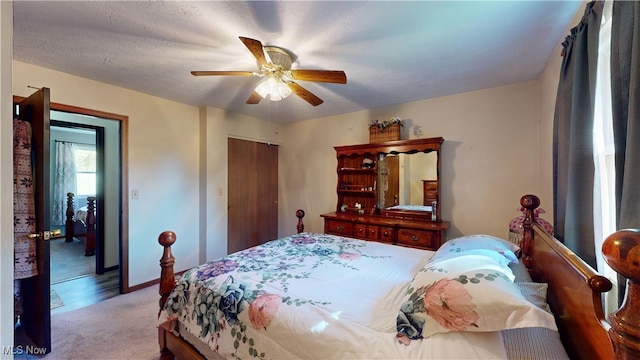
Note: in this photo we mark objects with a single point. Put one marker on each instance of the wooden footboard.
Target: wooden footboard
(575, 291)
(171, 345)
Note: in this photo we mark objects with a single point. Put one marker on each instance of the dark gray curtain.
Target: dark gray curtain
(573, 168)
(625, 93)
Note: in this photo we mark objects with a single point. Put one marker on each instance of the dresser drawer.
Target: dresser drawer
(418, 238)
(386, 234)
(339, 227)
(372, 232)
(367, 232)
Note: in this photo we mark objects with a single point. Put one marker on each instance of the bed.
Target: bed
(80, 223)
(274, 301)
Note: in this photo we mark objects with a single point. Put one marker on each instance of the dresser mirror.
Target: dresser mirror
(397, 178)
(401, 179)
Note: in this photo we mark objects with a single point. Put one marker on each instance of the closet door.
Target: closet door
(253, 194)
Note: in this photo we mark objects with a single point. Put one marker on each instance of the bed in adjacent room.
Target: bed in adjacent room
(320, 296)
(81, 223)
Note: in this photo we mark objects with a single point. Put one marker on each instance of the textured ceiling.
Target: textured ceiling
(392, 52)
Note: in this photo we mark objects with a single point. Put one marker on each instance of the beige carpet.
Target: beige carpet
(122, 327)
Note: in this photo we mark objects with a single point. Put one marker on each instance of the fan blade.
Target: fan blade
(214, 73)
(305, 94)
(329, 76)
(254, 98)
(255, 46)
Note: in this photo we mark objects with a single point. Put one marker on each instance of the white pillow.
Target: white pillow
(480, 300)
(481, 241)
(470, 260)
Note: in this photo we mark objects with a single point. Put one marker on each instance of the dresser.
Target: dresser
(377, 183)
(427, 235)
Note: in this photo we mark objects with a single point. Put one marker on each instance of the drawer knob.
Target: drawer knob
(414, 237)
(340, 227)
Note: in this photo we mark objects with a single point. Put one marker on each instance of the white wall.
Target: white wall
(548, 91)
(489, 156)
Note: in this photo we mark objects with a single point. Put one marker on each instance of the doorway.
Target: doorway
(75, 170)
(96, 163)
(35, 327)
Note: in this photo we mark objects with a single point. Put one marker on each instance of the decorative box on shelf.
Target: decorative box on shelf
(382, 131)
(391, 133)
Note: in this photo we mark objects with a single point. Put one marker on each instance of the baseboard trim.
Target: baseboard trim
(150, 283)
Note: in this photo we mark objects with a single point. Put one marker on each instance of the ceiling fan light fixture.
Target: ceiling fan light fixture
(274, 89)
(279, 56)
(274, 63)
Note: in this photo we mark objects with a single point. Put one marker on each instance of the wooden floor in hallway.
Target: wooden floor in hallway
(86, 290)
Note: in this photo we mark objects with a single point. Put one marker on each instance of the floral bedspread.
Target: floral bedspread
(303, 296)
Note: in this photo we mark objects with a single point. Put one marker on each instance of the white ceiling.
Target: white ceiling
(392, 52)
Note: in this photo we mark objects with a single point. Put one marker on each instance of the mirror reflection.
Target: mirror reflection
(403, 179)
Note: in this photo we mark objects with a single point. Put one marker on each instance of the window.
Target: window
(604, 209)
(85, 158)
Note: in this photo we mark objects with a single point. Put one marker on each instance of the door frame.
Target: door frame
(124, 202)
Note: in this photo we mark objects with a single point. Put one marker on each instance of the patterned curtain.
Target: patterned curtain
(64, 181)
(24, 220)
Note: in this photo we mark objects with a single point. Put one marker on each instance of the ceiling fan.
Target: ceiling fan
(274, 63)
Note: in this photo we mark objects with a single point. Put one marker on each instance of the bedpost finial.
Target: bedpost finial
(167, 238)
(300, 215)
(530, 201)
(621, 250)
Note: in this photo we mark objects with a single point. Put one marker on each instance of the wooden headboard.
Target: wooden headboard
(575, 290)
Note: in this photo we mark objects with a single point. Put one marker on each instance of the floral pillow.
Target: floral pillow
(479, 301)
(474, 242)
